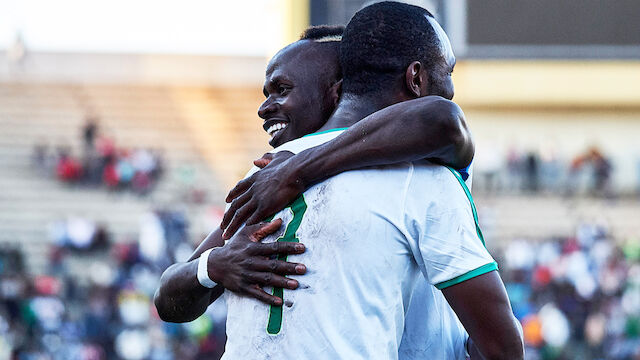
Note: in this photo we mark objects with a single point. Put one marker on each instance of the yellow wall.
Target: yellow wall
(297, 19)
(548, 83)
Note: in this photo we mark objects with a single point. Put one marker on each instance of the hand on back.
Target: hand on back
(245, 264)
(262, 194)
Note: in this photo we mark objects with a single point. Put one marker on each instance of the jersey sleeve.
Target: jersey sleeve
(445, 238)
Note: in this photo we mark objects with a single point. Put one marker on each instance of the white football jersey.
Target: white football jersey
(372, 237)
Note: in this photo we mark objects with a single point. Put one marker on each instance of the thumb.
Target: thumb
(264, 160)
(265, 229)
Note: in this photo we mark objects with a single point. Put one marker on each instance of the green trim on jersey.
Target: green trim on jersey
(298, 207)
(482, 269)
(468, 275)
(326, 131)
(470, 198)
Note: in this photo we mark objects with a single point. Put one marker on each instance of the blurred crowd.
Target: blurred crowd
(576, 297)
(590, 172)
(96, 300)
(101, 162)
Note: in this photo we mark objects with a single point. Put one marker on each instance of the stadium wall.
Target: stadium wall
(142, 69)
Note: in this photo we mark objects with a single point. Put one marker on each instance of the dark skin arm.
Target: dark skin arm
(483, 307)
(429, 127)
(242, 266)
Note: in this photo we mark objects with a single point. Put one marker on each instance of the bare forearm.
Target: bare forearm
(489, 322)
(515, 351)
(427, 128)
(180, 297)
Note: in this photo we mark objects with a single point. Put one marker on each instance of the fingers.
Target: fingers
(231, 212)
(278, 247)
(257, 215)
(270, 279)
(238, 219)
(240, 188)
(257, 292)
(280, 267)
(265, 229)
(284, 154)
(263, 161)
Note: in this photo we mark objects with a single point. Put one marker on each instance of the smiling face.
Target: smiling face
(297, 83)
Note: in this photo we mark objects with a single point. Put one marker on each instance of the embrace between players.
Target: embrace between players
(390, 260)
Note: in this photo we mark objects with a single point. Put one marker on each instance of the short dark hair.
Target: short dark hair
(381, 40)
(323, 33)
(329, 37)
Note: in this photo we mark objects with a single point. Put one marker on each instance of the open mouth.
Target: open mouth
(276, 128)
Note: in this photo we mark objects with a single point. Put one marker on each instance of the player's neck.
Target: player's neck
(352, 109)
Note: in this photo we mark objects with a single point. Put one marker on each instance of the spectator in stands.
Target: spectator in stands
(158, 170)
(109, 173)
(68, 169)
(531, 180)
(124, 169)
(104, 163)
(600, 170)
(144, 165)
(89, 131)
(106, 146)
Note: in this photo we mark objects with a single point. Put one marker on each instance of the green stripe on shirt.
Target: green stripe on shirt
(468, 275)
(326, 131)
(482, 269)
(470, 198)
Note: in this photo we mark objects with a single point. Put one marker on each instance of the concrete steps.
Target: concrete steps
(32, 199)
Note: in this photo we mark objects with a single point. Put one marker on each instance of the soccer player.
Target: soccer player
(365, 61)
(309, 69)
(290, 68)
(414, 87)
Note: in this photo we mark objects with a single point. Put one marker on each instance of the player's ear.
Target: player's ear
(334, 93)
(415, 79)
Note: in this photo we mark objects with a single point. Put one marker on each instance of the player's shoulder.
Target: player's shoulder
(437, 182)
(308, 141)
(432, 172)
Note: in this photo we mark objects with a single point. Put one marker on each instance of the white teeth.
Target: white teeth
(275, 127)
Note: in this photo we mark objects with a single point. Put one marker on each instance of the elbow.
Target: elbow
(508, 349)
(507, 353)
(168, 313)
(166, 305)
(161, 307)
(456, 133)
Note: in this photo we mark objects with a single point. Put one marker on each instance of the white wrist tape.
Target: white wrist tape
(203, 273)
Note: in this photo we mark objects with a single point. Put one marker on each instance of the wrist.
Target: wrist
(212, 269)
(204, 271)
(306, 168)
(295, 173)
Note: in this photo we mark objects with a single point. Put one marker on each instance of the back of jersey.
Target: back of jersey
(352, 300)
(369, 235)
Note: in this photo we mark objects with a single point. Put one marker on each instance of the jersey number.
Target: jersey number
(298, 208)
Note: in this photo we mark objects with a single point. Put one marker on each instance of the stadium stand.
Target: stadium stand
(195, 126)
(539, 217)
